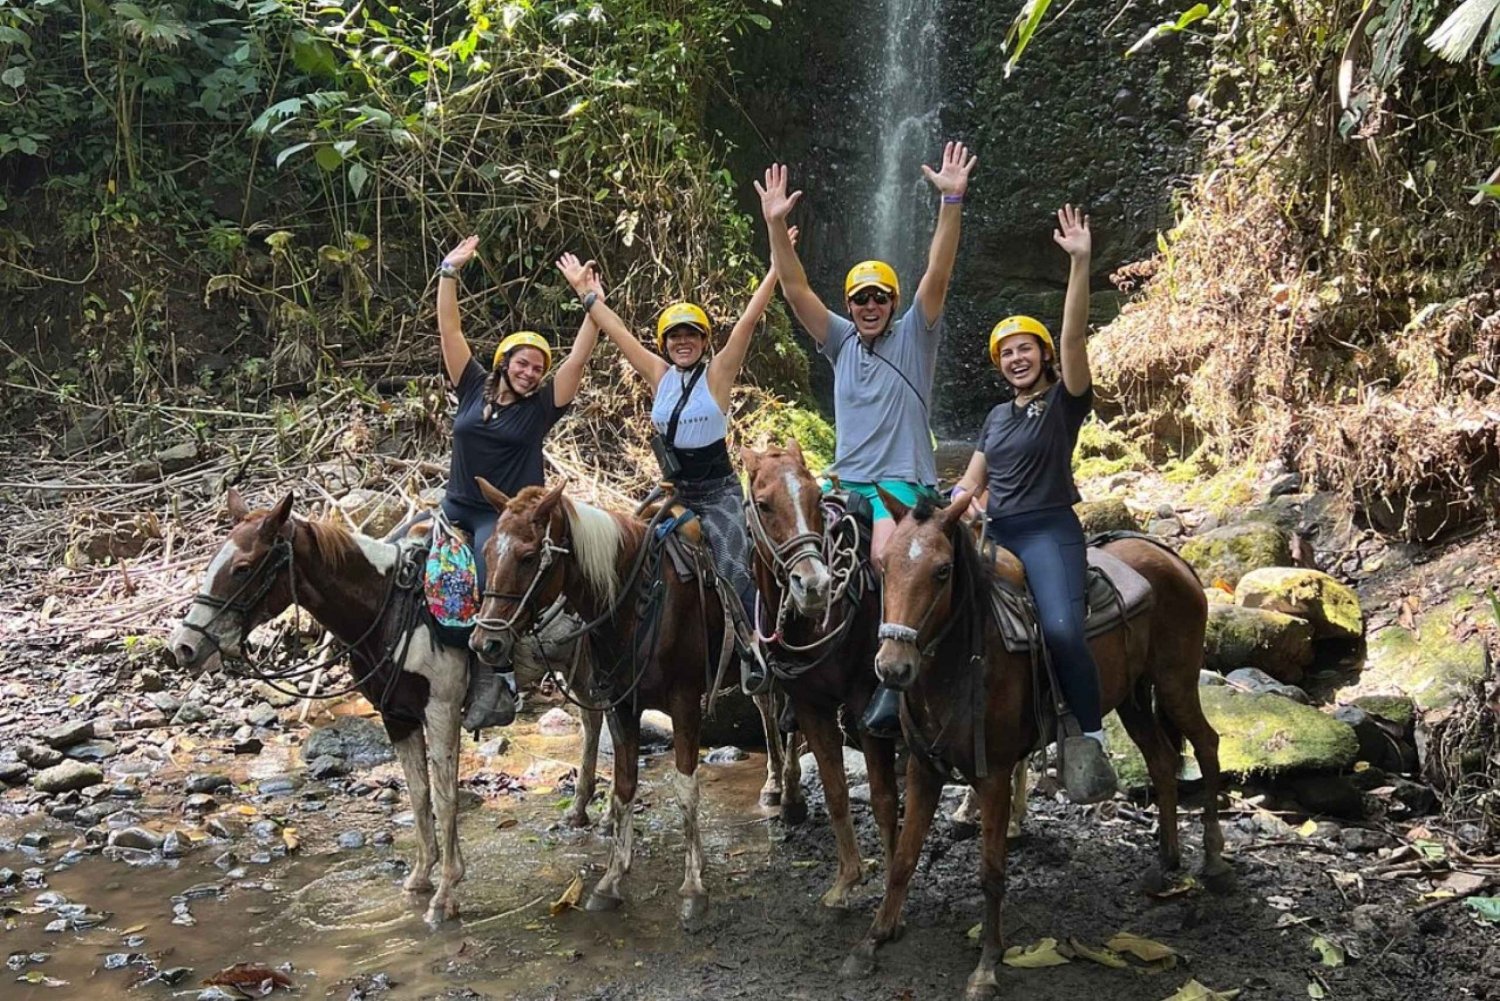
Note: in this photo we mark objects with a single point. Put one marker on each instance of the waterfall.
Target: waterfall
(907, 89)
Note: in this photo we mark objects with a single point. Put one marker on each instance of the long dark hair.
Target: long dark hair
(492, 381)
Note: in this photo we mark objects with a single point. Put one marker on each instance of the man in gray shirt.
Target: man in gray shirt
(882, 366)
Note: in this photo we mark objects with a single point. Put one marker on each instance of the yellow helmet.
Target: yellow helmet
(525, 339)
(877, 273)
(1013, 325)
(680, 314)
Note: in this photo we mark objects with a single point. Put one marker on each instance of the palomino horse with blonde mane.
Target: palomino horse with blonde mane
(367, 593)
(819, 611)
(652, 643)
(969, 707)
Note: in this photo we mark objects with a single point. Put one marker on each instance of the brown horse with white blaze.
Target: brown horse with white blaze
(650, 645)
(942, 647)
(818, 624)
(348, 583)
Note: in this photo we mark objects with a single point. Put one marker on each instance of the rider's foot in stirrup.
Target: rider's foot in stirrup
(1087, 775)
(491, 700)
(755, 677)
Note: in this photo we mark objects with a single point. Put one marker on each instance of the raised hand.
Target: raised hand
(791, 233)
(1072, 232)
(775, 203)
(953, 178)
(463, 253)
(582, 275)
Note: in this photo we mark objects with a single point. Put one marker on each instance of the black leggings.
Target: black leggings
(1050, 544)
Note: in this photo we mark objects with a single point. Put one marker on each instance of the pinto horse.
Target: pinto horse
(942, 647)
(651, 639)
(351, 584)
(819, 624)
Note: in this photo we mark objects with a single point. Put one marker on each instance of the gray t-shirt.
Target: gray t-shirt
(880, 399)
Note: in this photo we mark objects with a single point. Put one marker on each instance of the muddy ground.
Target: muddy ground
(282, 869)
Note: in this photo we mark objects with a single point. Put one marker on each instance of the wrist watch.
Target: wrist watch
(589, 298)
(446, 270)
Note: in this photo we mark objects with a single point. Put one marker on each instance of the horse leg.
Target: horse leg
(411, 751)
(770, 793)
(686, 724)
(827, 742)
(996, 818)
(1184, 713)
(793, 799)
(924, 787)
(1017, 797)
(1162, 762)
(880, 764)
(443, 720)
(588, 767)
(625, 727)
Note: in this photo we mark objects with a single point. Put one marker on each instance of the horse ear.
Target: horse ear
(955, 510)
(897, 509)
(272, 526)
(238, 509)
(492, 493)
(750, 459)
(794, 448)
(548, 504)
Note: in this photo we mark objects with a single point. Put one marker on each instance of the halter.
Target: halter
(262, 579)
(550, 551)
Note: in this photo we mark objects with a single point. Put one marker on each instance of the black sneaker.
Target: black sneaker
(882, 717)
(491, 700)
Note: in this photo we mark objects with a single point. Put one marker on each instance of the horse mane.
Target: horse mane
(972, 574)
(332, 540)
(598, 537)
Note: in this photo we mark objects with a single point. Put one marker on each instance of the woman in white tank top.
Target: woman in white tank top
(691, 413)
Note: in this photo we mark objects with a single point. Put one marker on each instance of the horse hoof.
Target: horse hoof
(770, 797)
(577, 821)
(982, 987)
(1220, 879)
(440, 912)
(1154, 880)
(603, 902)
(793, 812)
(857, 965)
(693, 910)
(417, 885)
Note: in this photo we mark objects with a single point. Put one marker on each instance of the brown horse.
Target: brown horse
(349, 583)
(823, 657)
(650, 648)
(943, 649)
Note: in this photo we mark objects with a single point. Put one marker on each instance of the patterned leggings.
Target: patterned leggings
(718, 503)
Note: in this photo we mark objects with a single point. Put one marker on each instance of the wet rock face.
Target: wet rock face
(1229, 553)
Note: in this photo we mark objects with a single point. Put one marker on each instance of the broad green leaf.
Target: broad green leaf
(358, 175)
(1330, 953)
(14, 77)
(1487, 908)
(294, 148)
(1021, 30)
(328, 158)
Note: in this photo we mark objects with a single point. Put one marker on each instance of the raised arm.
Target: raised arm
(456, 353)
(775, 205)
(972, 482)
(570, 372)
(1073, 235)
(726, 366)
(952, 182)
(647, 364)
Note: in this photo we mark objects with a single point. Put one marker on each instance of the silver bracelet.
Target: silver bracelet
(446, 270)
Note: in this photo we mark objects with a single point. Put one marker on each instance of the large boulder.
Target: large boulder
(1434, 662)
(360, 742)
(1259, 735)
(1278, 644)
(1331, 607)
(1230, 552)
(1107, 515)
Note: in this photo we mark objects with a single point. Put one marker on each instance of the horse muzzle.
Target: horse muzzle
(492, 647)
(810, 584)
(199, 651)
(896, 663)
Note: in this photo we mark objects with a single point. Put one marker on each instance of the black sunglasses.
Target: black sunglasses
(865, 296)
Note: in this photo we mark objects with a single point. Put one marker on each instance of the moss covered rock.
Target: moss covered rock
(1258, 735)
(1331, 607)
(1239, 637)
(1431, 663)
(1107, 515)
(1230, 552)
(1218, 596)
(1397, 708)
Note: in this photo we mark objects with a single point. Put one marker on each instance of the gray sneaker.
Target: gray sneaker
(1087, 774)
(490, 700)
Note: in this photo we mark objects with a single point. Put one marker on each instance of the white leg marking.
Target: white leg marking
(687, 797)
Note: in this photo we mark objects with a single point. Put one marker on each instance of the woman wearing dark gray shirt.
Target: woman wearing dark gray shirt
(1024, 458)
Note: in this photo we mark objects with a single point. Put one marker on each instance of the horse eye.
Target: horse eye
(240, 570)
(529, 558)
(763, 506)
(944, 572)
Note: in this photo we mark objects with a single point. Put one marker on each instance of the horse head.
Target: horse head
(786, 524)
(923, 558)
(246, 584)
(524, 570)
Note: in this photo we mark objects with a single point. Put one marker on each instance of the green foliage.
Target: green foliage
(775, 422)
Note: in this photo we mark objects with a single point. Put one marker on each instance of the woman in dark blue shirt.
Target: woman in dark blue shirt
(1024, 458)
(502, 419)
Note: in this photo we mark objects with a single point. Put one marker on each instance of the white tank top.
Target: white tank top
(702, 422)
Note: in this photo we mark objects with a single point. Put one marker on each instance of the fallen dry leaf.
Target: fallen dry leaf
(570, 897)
(1330, 953)
(1034, 956)
(250, 978)
(1104, 957)
(1194, 991)
(1143, 949)
(290, 839)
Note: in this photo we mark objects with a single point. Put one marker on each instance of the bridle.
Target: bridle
(258, 584)
(545, 561)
